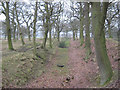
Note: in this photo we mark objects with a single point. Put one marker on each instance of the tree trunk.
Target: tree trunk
(34, 30)
(87, 31)
(46, 25)
(45, 38)
(58, 36)
(28, 30)
(98, 20)
(74, 35)
(10, 46)
(14, 25)
(81, 31)
(20, 32)
(14, 33)
(50, 39)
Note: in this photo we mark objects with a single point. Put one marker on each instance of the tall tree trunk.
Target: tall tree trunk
(34, 30)
(87, 31)
(20, 32)
(10, 46)
(81, 31)
(14, 25)
(46, 25)
(98, 20)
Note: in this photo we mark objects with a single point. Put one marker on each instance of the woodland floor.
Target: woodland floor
(78, 72)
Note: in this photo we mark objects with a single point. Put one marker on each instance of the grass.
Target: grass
(21, 66)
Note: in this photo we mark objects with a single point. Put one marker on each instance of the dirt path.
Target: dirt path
(82, 71)
(80, 74)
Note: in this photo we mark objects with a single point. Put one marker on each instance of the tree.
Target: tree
(21, 34)
(81, 25)
(34, 29)
(111, 16)
(10, 46)
(98, 20)
(46, 24)
(27, 18)
(87, 31)
(13, 24)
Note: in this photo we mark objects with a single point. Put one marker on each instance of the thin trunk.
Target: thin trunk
(98, 20)
(17, 36)
(14, 25)
(87, 31)
(46, 26)
(81, 31)
(20, 32)
(34, 30)
(14, 33)
(10, 46)
(76, 34)
(73, 34)
(50, 39)
(28, 32)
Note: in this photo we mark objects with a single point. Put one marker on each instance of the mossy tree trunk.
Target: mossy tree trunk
(34, 30)
(20, 32)
(10, 46)
(81, 25)
(98, 20)
(87, 31)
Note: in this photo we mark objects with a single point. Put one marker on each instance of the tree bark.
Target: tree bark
(10, 46)
(98, 20)
(87, 31)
